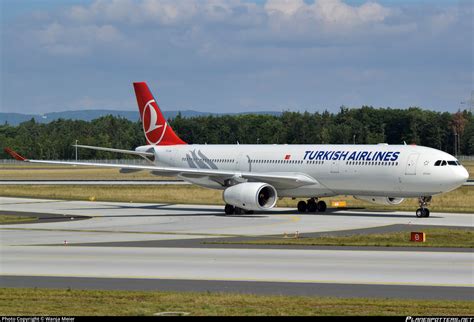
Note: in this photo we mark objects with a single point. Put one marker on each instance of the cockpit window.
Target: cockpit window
(444, 162)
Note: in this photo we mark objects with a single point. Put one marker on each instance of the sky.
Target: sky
(236, 55)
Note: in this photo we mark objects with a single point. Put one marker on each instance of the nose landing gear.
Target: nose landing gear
(423, 211)
(229, 209)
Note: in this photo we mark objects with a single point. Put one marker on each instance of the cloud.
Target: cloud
(161, 12)
(58, 39)
(212, 27)
(267, 53)
(330, 12)
(286, 7)
(206, 24)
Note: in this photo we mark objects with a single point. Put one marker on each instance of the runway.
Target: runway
(129, 243)
(264, 265)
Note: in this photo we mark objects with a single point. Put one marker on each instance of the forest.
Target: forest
(450, 132)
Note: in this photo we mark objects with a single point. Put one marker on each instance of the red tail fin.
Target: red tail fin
(157, 130)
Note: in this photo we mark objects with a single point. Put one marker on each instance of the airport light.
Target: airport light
(455, 143)
(469, 102)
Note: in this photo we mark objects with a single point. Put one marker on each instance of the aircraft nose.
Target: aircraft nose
(462, 175)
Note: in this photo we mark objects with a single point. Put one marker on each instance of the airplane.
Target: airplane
(253, 176)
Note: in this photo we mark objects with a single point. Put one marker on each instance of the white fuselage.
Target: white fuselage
(367, 170)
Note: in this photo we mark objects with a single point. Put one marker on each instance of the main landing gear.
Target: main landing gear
(312, 205)
(230, 210)
(423, 211)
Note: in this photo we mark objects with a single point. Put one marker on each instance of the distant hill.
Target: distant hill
(88, 115)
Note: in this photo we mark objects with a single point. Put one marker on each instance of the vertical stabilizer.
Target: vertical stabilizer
(156, 128)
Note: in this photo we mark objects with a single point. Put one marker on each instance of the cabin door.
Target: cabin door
(411, 164)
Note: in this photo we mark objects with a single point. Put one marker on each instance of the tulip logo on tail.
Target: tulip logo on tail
(157, 130)
(154, 125)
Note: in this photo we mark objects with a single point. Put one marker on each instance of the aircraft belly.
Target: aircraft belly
(306, 192)
(360, 182)
(424, 185)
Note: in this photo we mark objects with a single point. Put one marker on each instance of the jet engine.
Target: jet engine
(387, 201)
(251, 196)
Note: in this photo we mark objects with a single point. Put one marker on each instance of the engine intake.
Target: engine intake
(251, 196)
(387, 201)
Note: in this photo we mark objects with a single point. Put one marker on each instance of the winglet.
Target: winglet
(15, 155)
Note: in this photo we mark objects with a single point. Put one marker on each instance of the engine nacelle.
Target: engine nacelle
(251, 196)
(387, 201)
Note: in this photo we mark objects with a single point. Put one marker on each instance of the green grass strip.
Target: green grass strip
(10, 219)
(33, 302)
(435, 237)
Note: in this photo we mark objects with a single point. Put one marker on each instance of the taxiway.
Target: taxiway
(162, 243)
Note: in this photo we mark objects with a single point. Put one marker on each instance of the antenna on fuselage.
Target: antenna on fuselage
(404, 143)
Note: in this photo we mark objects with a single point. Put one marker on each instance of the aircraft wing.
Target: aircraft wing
(139, 153)
(278, 180)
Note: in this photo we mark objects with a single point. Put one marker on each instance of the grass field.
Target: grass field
(35, 302)
(9, 219)
(460, 200)
(435, 237)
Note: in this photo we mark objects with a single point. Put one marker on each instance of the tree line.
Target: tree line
(450, 132)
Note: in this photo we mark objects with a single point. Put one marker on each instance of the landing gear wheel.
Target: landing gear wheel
(238, 211)
(426, 212)
(229, 209)
(302, 206)
(423, 211)
(321, 206)
(419, 212)
(312, 205)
